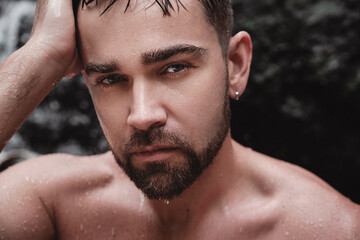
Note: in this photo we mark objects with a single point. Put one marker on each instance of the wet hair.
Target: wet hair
(218, 13)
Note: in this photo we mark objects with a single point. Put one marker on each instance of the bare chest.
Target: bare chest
(99, 221)
(130, 227)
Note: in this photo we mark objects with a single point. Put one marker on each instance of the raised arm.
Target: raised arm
(30, 73)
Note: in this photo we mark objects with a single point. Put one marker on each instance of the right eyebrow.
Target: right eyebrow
(107, 67)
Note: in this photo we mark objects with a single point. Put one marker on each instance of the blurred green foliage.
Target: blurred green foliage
(302, 100)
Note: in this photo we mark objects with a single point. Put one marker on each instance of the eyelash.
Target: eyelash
(101, 80)
(122, 79)
(185, 66)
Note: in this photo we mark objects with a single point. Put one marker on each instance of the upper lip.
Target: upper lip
(151, 148)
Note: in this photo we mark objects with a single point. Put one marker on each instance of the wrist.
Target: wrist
(37, 64)
(50, 59)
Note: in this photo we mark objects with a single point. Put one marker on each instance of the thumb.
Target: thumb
(76, 65)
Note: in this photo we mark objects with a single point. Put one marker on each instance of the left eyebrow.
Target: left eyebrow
(107, 67)
(159, 55)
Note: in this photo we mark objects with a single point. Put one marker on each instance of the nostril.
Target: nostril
(157, 125)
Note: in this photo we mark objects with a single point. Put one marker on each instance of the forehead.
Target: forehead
(142, 27)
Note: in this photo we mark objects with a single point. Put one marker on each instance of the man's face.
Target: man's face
(159, 88)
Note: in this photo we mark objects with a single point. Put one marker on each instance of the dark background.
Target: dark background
(301, 104)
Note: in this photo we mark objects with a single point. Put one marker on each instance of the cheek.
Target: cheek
(202, 107)
(112, 117)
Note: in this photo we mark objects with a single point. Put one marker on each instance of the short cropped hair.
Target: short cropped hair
(218, 13)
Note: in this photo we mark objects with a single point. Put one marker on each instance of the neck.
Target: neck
(206, 191)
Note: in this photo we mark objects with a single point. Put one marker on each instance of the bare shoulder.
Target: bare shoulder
(307, 206)
(319, 208)
(58, 169)
(63, 173)
(32, 191)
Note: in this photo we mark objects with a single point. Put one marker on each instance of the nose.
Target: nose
(146, 109)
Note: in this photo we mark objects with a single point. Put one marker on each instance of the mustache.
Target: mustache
(154, 136)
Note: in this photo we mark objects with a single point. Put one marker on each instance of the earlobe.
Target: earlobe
(239, 61)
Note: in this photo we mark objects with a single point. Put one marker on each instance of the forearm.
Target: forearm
(26, 77)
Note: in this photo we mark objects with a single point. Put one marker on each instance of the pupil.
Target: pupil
(177, 68)
(112, 80)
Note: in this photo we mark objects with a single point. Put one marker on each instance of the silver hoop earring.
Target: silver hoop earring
(237, 96)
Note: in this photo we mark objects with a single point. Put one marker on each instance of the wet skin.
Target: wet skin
(91, 198)
(241, 195)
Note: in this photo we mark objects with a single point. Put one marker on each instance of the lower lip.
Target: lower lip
(153, 156)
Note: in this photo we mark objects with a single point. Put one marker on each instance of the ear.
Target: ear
(239, 61)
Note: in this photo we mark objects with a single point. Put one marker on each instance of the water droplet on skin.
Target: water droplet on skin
(99, 227)
(113, 231)
(226, 210)
(142, 200)
(81, 227)
(167, 202)
(286, 234)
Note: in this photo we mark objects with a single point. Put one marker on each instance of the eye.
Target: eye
(176, 68)
(109, 80)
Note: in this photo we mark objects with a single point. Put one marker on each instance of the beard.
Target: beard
(168, 178)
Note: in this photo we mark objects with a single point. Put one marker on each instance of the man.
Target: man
(160, 74)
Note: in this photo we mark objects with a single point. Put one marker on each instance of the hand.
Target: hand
(53, 35)
(32, 71)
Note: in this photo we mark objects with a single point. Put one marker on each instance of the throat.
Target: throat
(172, 218)
(201, 198)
